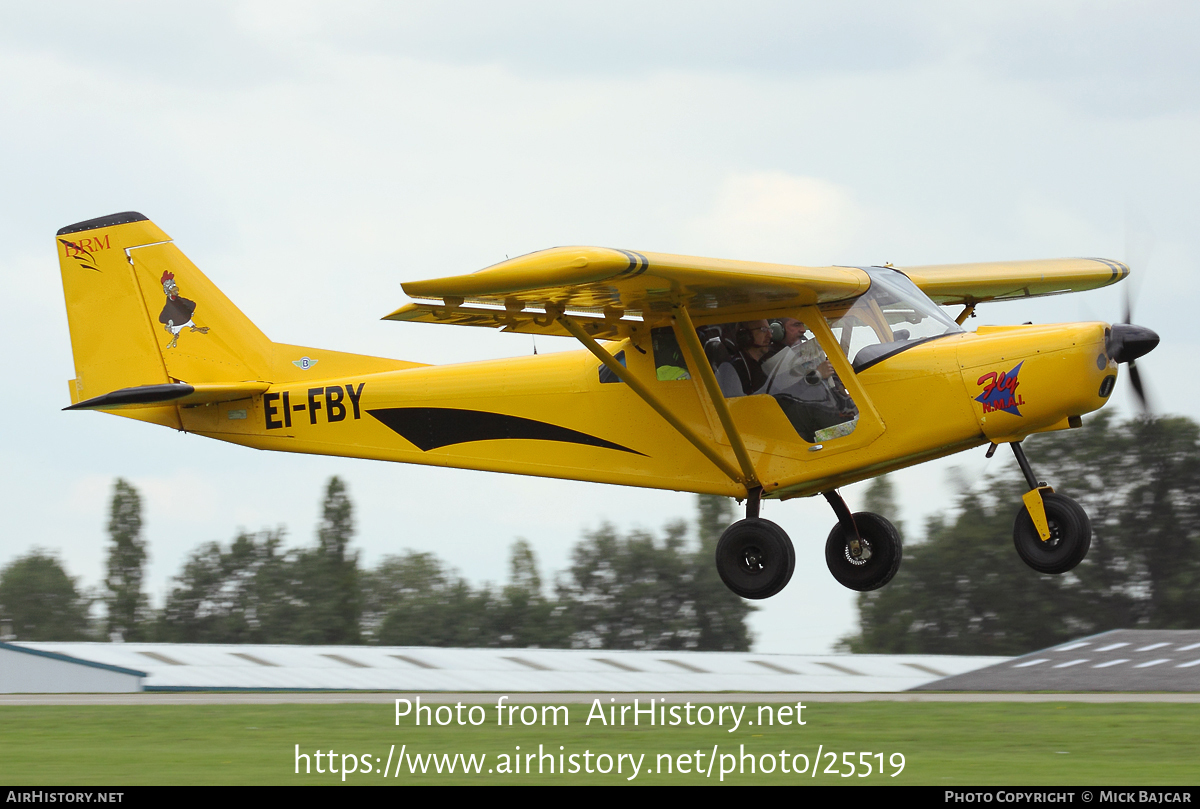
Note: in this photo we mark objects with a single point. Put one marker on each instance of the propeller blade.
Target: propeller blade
(1136, 380)
(1126, 342)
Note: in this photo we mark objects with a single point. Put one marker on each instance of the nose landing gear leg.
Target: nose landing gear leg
(1052, 533)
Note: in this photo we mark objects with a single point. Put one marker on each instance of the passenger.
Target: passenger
(739, 370)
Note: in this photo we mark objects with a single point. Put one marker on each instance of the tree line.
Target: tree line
(961, 588)
(636, 591)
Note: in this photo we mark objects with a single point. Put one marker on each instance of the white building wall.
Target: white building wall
(25, 673)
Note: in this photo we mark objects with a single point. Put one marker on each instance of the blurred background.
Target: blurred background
(311, 156)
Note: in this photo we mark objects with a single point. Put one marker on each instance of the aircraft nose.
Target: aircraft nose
(1126, 342)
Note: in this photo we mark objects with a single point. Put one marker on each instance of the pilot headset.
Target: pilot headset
(745, 336)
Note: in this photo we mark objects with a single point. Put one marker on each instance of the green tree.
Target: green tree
(638, 592)
(127, 606)
(881, 499)
(41, 600)
(415, 600)
(721, 615)
(630, 592)
(524, 617)
(241, 595)
(963, 590)
(327, 576)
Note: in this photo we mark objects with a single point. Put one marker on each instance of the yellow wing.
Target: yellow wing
(1000, 280)
(603, 286)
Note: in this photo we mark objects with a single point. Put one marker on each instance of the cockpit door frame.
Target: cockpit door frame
(870, 425)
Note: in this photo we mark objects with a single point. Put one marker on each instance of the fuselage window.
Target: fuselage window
(669, 364)
(606, 374)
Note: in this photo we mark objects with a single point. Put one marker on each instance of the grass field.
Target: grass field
(942, 743)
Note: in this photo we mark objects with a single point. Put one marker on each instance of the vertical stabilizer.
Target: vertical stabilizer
(142, 314)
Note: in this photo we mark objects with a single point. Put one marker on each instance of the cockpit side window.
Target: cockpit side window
(781, 358)
(891, 316)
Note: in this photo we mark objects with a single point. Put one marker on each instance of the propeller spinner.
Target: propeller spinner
(1125, 342)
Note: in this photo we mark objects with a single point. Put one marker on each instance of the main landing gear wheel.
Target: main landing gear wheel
(755, 558)
(880, 558)
(1070, 536)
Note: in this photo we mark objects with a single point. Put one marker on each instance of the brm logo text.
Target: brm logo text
(335, 403)
(86, 246)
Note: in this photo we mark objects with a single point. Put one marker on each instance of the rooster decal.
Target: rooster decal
(177, 311)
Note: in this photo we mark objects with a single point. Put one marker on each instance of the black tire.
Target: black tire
(1070, 536)
(755, 558)
(881, 549)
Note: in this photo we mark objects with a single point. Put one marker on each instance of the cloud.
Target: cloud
(777, 217)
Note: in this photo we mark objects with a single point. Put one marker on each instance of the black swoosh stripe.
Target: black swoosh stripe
(433, 427)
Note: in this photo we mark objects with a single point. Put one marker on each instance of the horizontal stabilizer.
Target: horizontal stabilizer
(177, 393)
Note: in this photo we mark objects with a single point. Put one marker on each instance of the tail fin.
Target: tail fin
(142, 314)
(150, 332)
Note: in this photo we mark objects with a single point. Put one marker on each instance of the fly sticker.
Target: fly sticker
(1000, 391)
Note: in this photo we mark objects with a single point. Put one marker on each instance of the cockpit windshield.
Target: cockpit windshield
(891, 316)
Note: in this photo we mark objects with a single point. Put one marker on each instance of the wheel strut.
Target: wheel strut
(1033, 498)
(1023, 462)
(846, 519)
(753, 500)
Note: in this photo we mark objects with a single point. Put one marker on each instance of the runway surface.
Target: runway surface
(564, 698)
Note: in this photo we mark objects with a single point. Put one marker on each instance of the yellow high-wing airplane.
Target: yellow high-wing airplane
(732, 378)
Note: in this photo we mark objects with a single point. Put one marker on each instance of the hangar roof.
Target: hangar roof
(394, 668)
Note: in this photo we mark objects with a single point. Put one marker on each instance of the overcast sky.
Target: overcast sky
(309, 157)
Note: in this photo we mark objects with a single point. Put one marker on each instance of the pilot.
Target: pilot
(805, 357)
(802, 380)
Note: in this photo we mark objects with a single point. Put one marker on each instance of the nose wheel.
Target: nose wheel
(1070, 535)
(1052, 533)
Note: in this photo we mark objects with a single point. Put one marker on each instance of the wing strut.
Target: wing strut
(649, 398)
(696, 355)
